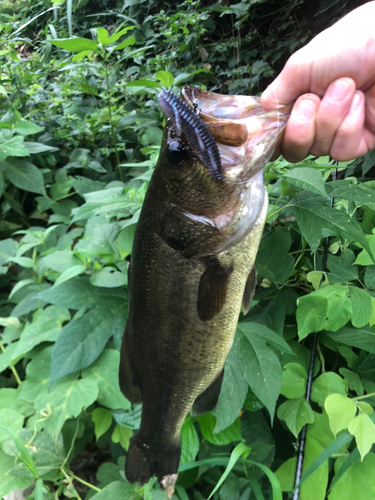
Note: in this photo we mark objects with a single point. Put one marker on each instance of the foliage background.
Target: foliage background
(80, 131)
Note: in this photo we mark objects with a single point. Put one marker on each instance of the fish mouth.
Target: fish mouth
(245, 134)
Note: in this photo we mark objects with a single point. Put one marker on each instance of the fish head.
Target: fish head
(245, 134)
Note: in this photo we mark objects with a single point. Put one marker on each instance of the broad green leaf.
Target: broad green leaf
(105, 373)
(46, 327)
(233, 390)
(273, 260)
(78, 293)
(326, 308)
(102, 419)
(24, 175)
(115, 490)
(365, 407)
(70, 273)
(313, 216)
(66, 400)
(143, 83)
(370, 277)
(363, 338)
(129, 41)
(359, 193)
(261, 369)
(6, 357)
(363, 429)
(37, 375)
(352, 380)
(296, 413)
(361, 306)
(119, 33)
(340, 410)
(61, 260)
(122, 435)
(10, 480)
(37, 147)
(306, 178)
(363, 258)
(8, 248)
(315, 487)
(294, 381)
(108, 277)
(207, 424)
(189, 441)
(10, 419)
(342, 267)
(12, 147)
(83, 339)
(9, 398)
(165, 78)
(262, 332)
(357, 482)
(326, 384)
(75, 44)
(25, 127)
(103, 36)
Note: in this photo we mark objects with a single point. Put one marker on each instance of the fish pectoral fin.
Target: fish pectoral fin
(208, 399)
(213, 288)
(249, 290)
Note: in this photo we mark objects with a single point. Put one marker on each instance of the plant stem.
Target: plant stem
(364, 396)
(82, 481)
(15, 373)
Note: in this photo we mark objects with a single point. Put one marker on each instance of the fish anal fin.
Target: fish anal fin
(249, 290)
(213, 289)
(208, 399)
(128, 376)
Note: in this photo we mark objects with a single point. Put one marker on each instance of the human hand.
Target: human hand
(333, 80)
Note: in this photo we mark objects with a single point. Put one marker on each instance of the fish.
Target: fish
(192, 266)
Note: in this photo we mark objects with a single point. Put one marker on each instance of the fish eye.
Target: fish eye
(176, 152)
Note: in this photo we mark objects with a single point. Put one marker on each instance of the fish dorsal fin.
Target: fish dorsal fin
(249, 290)
(213, 289)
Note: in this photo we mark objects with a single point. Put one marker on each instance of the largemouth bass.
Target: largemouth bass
(192, 265)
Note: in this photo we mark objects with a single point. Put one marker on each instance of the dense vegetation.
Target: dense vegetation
(80, 130)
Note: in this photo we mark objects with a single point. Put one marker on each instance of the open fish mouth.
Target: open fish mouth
(245, 134)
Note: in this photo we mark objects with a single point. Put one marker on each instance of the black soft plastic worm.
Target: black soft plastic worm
(187, 121)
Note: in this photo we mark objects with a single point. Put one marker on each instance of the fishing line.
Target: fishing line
(302, 440)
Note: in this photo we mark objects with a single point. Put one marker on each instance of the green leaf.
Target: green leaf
(103, 36)
(340, 410)
(12, 147)
(165, 78)
(129, 41)
(119, 33)
(326, 308)
(83, 339)
(207, 424)
(78, 293)
(261, 368)
(70, 273)
(108, 277)
(25, 127)
(342, 267)
(296, 413)
(122, 435)
(9, 419)
(358, 193)
(10, 481)
(37, 375)
(60, 261)
(102, 419)
(105, 373)
(189, 441)
(313, 216)
(75, 44)
(326, 384)
(306, 178)
(363, 338)
(115, 490)
(352, 380)
(273, 260)
(361, 306)
(24, 175)
(37, 147)
(363, 258)
(363, 429)
(46, 327)
(233, 390)
(357, 482)
(294, 381)
(66, 400)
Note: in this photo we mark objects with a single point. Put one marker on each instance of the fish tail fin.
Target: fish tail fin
(143, 461)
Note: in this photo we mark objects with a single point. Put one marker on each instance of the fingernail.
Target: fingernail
(355, 103)
(306, 109)
(339, 90)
